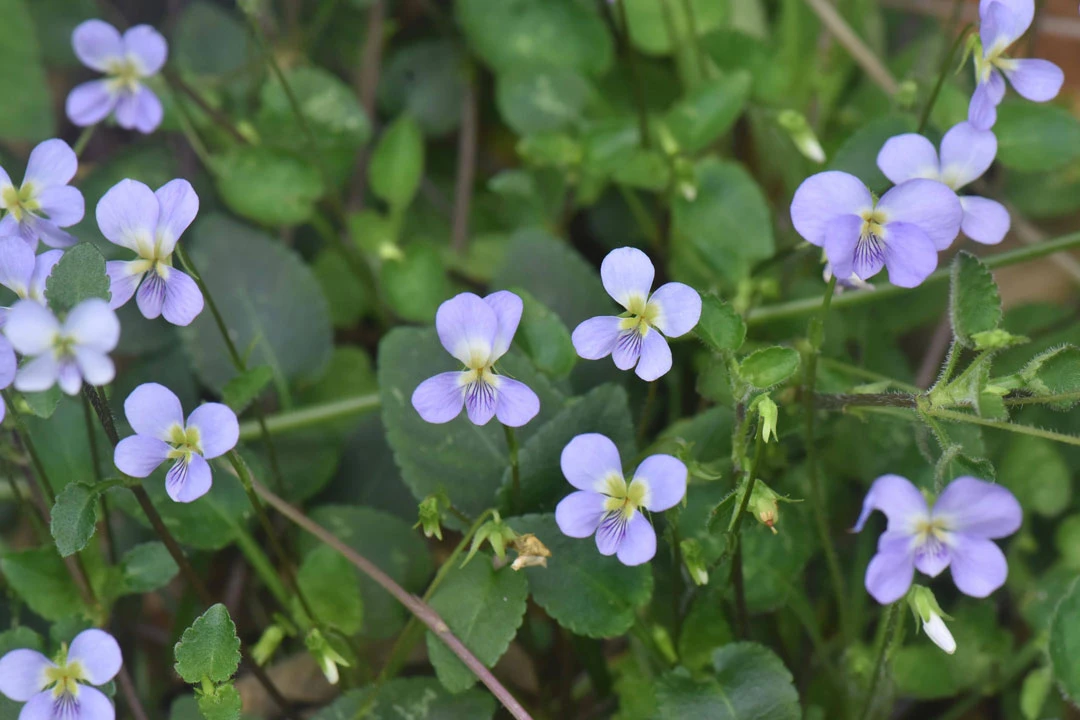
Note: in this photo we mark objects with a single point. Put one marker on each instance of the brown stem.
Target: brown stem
(219, 118)
(127, 689)
(466, 167)
(839, 401)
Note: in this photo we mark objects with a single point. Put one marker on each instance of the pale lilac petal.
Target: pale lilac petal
(610, 533)
(467, 327)
(31, 328)
(978, 565)
(183, 299)
(68, 376)
(655, 358)
(889, 574)
(127, 215)
(579, 513)
(92, 324)
(95, 367)
(966, 153)
(515, 402)
(596, 337)
(124, 277)
(627, 349)
(999, 27)
(678, 309)
(3, 410)
(928, 204)
(507, 307)
(146, 46)
(627, 274)
(41, 707)
(49, 233)
(151, 296)
(10, 227)
(140, 111)
(985, 221)
(665, 479)
(90, 103)
(982, 112)
(931, 558)
(93, 705)
(63, 205)
(99, 654)
(908, 156)
(22, 674)
(1035, 79)
(1023, 10)
(8, 364)
(910, 255)
(639, 542)
(140, 455)
(439, 399)
(841, 239)
(589, 460)
(901, 502)
(219, 430)
(178, 205)
(480, 402)
(97, 44)
(189, 481)
(43, 267)
(38, 374)
(51, 163)
(153, 410)
(5, 181)
(824, 196)
(978, 508)
(16, 265)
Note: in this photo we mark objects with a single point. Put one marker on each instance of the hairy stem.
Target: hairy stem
(84, 139)
(860, 52)
(881, 652)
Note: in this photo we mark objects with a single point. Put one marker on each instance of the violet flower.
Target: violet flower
(62, 689)
(44, 203)
(133, 216)
(126, 60)
(477, 332)
(66, 353)
(22, 273)
(673, 310)
(609, 507)
(161, 434)
(1001, 23)
(902, 231)
(966, 153)
(8, 366)
(955, 533)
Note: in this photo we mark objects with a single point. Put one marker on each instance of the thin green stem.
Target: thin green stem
(310, 416)
(641, 216)
(84, 139)
(946, 63)
(26, 508)
(95, 459)
(869, 375)
(187, 127)
(262, 566)
(1043, 399)
(735, 538)
(174, 81)
(881, 652)
(515, 470)
(646, 410)
(621, 29)
(22, 436)
(951, 361)
(699, 52)
(1002, 425)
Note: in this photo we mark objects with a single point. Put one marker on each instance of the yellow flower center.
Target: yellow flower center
(184, 442)
(623, 498)
(931, 530)
(20, 202)
(124, 75)
(65, 677)
(640, 315)
(873, 223)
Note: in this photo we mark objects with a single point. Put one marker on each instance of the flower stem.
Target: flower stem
(735, 537)
(621, 30)
(22, 436)
(84, 139)
(515, 470)
(310, 416)
(95, 459)
(942, 74)
(646, 410)
(882, 651)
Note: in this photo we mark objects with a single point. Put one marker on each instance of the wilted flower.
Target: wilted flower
(161, 434)
(673, 310)
(608, 506)
(44, 203)
(66, 353)
(956, 533)
(126, 60)
(477, 332)
(22, 273)
(930, 616)
(61, 690)
(966, 153)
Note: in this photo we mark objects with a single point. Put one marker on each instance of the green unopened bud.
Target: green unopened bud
(769, 415)
(325, 655)
(496, 533)
(765, 505)
(431, 510)
(907, 93)
(668, 144)
(930, 616)
(801, 134)
(268, 644)
(686, 183)
(695, 563)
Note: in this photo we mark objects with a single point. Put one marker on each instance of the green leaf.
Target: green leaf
(750, 683)
(80, 275)
(649, 22)
(426, 80)
(40, 578)
(1034, 692)
(704, 629)
(416, 284)
(28, 111)
(42, 404)
(1048, 491)
(268, 186)
(209, 648)
(541, 99)
(332, 589)
(397, 165)
(858, 154)
(210, 40)
(484, 608)
(421, 698)
(975, 305)
(1036, 137)
(769, 366)
(1054, 372)
(222, 704)
(146, 567)
(246, 387)
(722, 329)
(584, 591)
(74, 518)
(544, 337)
(209, 523)
(709, 111)
(65, 435)
(347, 298)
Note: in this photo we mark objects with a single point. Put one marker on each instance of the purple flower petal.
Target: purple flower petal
(821, 198)
(99, 654)
(188, 481)
(147, 48)
(16, 265)
(43, 267)
(897, 498)
(140, 455)
(842, 242)
(22, 674)
(5, 181)
(966, 153)
(467, 326)
(90, 103)
(982, 111)
(140, 111)
(655, 358)
(49, 233)
(439, 399)
(480, 402)
(596, 337)
(589, 460)
(1035, 79)
(931, 558)
(124, 277)
(93, 705)
(507, 307)
(40, 707)
(639, 542)
(68, 376)
(678, 307)
(219, 430)
(579, 513)
(627, 274)
(665, 478)
(178, 205)
(95, 367)
(153, 410)
(985, 221)
(610, 532)
(93, 325)
(999, 27)
(51, 163)
(8, 364)
(908, 156)
(10, 227)
(515, 403)
(627, 349)
(889, 574)
(38, 374)
(978, 508)
(127, 215)
(31, 328)
(1023, 10)
(151, 296)
(978, 566)
(910, 255)
(928, 204)
(183, 299)
(63, 205)
(97, 44)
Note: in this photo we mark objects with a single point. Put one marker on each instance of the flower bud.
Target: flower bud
(765, 505)
(325, 655)
(695, 563)
(929, 614)
(496, 533)
(430, 511)
(800, 132)
(769, 414)
(268, 644)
